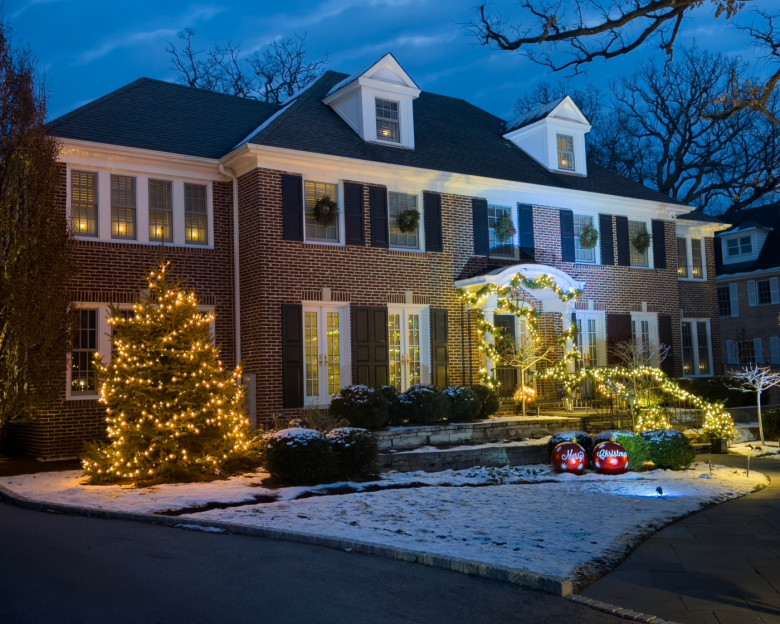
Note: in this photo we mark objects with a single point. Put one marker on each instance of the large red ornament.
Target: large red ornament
(569, 457)
(610, 458)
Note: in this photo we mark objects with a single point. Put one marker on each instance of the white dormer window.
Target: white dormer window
(741, 246)
(387, 125)
(565, 152)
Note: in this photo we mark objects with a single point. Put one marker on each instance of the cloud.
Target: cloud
(395, 45)
(29, 5)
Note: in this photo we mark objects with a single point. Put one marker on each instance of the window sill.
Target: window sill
(131, 242)
(701, 280)
(82, 397)
(405, 252)
(323, 243)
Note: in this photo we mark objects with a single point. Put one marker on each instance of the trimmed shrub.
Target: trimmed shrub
(423, 405)
(395, 416)
(770, 420)
(463, 404)
(669, 449)
(637, 448)
(361, 406)
(298, 456)
(580, 437)
(489, 399)
(611, 435)
(355, 451)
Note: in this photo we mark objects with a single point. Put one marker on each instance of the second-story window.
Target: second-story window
(322, 214)
(83, 203)
(401, 210)
(741, 246)
(565, 152)
(122, 206)
(195, 213)
(387, 121)
(584, 249)
(640, 243)
(160, 210)
(690, 258)
(501, 231)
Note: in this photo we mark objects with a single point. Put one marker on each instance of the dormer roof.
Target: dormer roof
(387, 72)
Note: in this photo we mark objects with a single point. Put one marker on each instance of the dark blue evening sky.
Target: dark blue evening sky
(87, 48)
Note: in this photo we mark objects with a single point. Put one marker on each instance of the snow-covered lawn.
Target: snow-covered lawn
(525, 517)
(768, 450)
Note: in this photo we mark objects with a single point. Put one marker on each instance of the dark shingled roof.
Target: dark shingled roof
(155, 115)
(767, 216)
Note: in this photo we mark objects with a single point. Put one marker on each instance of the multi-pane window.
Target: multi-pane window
(740, 246)
(637, 231)
(583, 223)
(398, 203)
(387, 124)
(83, 203)
(644, 332)
(682, 258)
(565, 152)
(160, 210)
(690, 258)
(697, 261)
(195, 214)
(322, 221)
(696, 348)
(122, 206)
(83, 378)
(764, 292)
(497, 214)
(724, 301)
(746, 352)
(587, 339)
(323, 335)
(407, 331)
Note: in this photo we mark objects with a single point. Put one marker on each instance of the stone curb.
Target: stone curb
(523, 578)
(626, 614)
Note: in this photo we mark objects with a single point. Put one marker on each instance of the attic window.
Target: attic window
(387, 127)
(565, 152)
(741, 246)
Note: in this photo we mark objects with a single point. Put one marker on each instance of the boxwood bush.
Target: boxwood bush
(638, 450)
(669, 449)
(580, 437)
(423, 405)
(355, 451)
(489, 399)
(298, 456)
(395, 415)
(463, 404)
(770, 420)
(361, 406)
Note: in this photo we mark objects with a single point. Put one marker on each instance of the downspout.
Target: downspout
(236, 265)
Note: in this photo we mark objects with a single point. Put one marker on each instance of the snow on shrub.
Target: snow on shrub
(489, 399)
(637, 447)
(423, 405)
(580, 437)
(360, 406)
(463, 404)
(611, 435)
(669, 448)
(298, 456)
(355, 451)
(395, 416)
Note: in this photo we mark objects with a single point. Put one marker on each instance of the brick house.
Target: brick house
(748, 266)
(310, 298)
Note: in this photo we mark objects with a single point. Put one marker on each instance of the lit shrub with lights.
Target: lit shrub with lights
(578, 437)
(298, 456)
(355, 451)
(423, 405)
(361, 406)
(395, 416)
(718, 424)
(669, 449)
(463, 405)
(173, 412)
(489, 399)
(651, 419)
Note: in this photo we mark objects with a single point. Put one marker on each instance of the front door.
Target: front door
(408, 341)
(323, 365)
(506, 375)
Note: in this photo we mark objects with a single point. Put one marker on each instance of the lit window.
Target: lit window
(83, 377)
(122, 206)
(690, 258)
(387, 126)
(497, 218)
(407, 331)
(591, 338)
(638, 235)
(587, 252)
(644, 333)
(565, 152)
(195, 213)
(403, 205)
(322, 218)
(741, 246)
(160, 210)
(83, 203)
(696, 348)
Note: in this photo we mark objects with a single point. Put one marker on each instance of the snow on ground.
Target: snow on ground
(768, 450)
(524, 517)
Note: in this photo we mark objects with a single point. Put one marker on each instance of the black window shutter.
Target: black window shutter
(479, 215)
(623, 249)
(659, 244)
(440, 347)
(525, 222)
(717, 247)
(606, 236)
(567, 235)
(377, 202)
(353, 214)
(432, 209)
(665, 337)
(292, 207)
(370, 354)
(618, 330)
(292, 355)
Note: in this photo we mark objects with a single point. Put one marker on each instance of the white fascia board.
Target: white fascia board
(697, 228)
(251, 156)
(388, 87)
(105, 156)
(728, 277)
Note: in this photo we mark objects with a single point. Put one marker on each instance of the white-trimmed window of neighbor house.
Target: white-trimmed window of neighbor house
(321, 230)
(398, 203)
(502, 249)
(583, 254)
(195, 214)
(161, 210)
(739, 246)
(565, 152)
(83, 203)
(696, 348)
(690, 258)
(83, 377)
(388, 127)
(123, 206)
(638, 258)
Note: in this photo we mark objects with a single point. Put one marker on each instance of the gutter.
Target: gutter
(236, 264)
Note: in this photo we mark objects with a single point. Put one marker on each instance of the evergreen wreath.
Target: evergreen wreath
(408, 220)
(641, 241)
(504, 229)
(325, 210)
(589, 238)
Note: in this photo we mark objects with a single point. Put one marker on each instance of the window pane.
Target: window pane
(320, 229)
(764, 292)
(582, 254)
(565, 152)
(413, 351)
(635, 228)
(311, 352)
(122, 206)
(160, 210)
(83, 377)
(398, 202)
(195, 214)
(387, 127)
(394, 338)
(696, 260)
(334, 352)
(687, 348)
(498, 248)
(703, 347)
(724, 301)
(83, 204)
(682, 258)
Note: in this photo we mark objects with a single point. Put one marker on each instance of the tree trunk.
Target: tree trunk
(758, 410)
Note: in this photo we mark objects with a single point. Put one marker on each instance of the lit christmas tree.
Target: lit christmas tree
(173, 411)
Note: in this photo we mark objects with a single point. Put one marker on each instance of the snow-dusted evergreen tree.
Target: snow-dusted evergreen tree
(173, 411)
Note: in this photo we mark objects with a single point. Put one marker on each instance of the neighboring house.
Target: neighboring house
(308, 302)
(748, 256)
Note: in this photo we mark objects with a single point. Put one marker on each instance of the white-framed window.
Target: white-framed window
(592, 338)
(83, 376)
(160, 210)
(565, 152)
(326, 349)
(583, 254)
(690, 259)
(321, 230)
(408, 334)
(763, 292)
(644, 331)
(83, 203)
(501, 249)
(397, 205)
(123, 206)
(195, 214)
(387, 121)
(696, 348)
(739, 246)
(638, 258)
